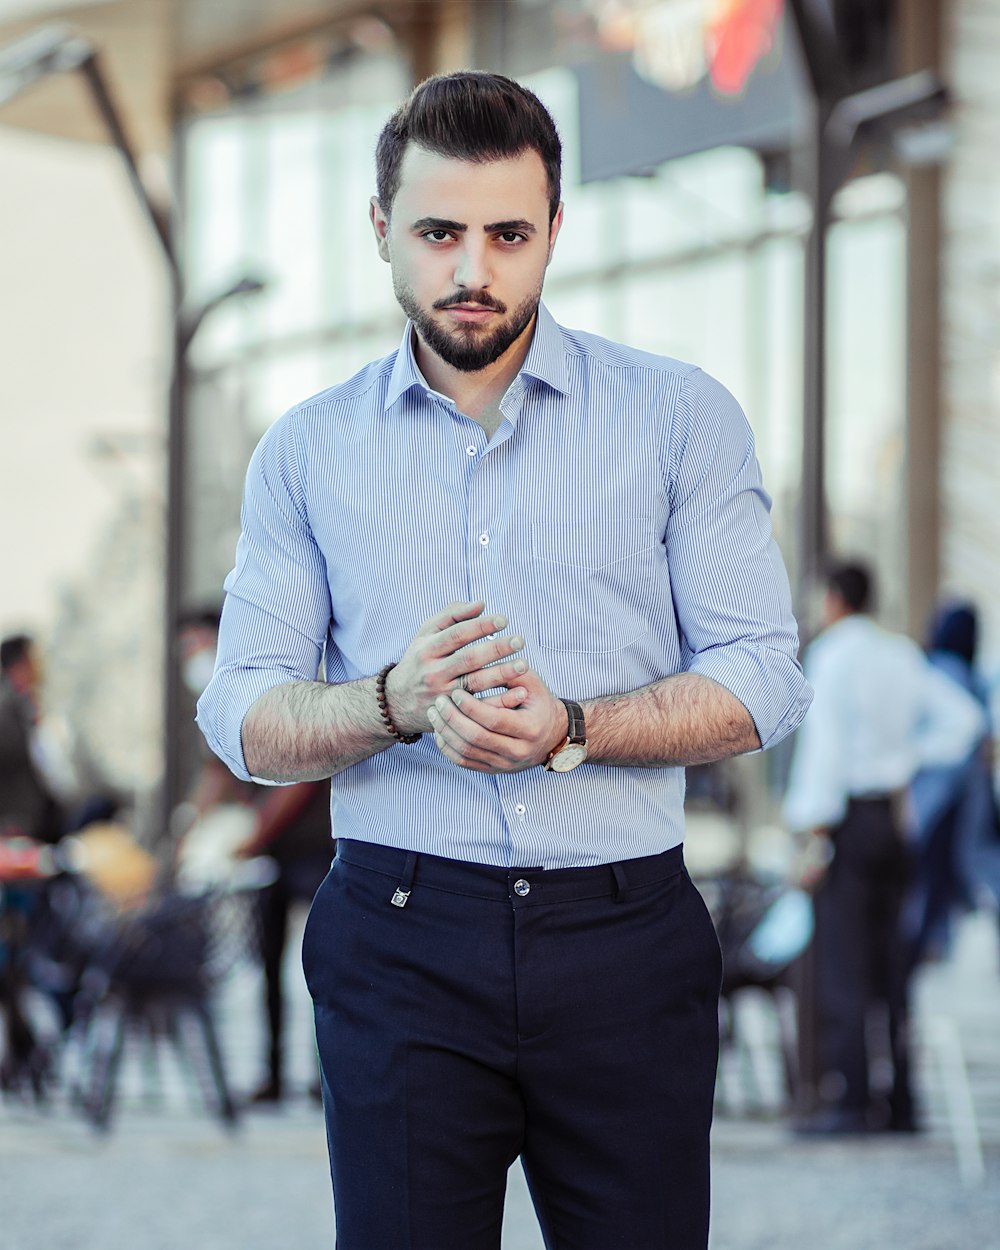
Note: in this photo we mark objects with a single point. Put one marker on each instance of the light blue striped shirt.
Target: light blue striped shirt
(616, 517)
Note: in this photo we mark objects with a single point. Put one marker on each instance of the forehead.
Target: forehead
(432, 185)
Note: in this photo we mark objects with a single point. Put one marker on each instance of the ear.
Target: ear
(554, 230)
(380, 224)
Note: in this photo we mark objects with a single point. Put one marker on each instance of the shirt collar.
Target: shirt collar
(545, 361)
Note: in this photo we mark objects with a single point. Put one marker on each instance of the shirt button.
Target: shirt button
(520, 809)
(521, 888)
(484, 540)
(470, 451)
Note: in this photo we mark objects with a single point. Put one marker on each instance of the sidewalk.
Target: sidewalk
(939, 1190)
(171, 1178)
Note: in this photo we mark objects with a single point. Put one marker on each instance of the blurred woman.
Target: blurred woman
(954, 811)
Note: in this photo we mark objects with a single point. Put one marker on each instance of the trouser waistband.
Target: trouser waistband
(410, 870)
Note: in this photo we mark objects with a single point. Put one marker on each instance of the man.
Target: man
(880, 712)
(27, 805)
(225, 818)
(507, 957)
(292, 828)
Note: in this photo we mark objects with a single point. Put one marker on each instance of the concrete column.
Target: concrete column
(970, 418)
(439, 35)
(920, 36)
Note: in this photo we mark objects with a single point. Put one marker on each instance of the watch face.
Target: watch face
(573, 753)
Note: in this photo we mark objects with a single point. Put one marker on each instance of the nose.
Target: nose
(472, 270)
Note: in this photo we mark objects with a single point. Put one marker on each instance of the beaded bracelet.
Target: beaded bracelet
(383, 707)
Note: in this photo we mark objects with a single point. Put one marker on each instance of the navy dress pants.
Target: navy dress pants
(861, 960)
(568, 1016)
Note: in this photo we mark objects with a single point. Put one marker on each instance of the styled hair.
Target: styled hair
(13, 649)
(852, 581)
(469, 116)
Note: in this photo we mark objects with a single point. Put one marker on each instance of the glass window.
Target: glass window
(866, 395)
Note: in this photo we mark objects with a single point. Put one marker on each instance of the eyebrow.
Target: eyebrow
(459, 227)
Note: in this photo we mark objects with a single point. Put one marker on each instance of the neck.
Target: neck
(476, 394)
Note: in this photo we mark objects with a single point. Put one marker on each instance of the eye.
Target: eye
(437, 236)
(512, 237)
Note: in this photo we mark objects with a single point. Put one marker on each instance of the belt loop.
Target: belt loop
(402, 894)
(621, 882)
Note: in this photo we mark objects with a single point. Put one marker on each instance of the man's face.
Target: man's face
(468, 244)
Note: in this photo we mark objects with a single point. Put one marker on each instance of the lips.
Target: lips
(470, 313)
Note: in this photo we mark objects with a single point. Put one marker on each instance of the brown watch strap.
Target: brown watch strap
(577, 727)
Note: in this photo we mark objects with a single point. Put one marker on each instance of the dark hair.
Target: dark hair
(852, 581)
(471, 116)
(955, 628)
(206, 617)
(14, 649)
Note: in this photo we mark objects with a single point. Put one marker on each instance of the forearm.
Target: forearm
(307, 731)
(684, 719)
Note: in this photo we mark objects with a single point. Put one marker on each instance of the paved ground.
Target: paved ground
(168, 1177)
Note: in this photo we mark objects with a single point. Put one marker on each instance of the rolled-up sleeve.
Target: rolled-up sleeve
(729, 584)
(276, 615)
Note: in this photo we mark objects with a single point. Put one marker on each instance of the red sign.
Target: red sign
(738, 37)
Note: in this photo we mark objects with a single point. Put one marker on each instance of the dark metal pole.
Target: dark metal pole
(173, 574)
(185, 327)
(176, 448)
(812, 550)
(97, 82)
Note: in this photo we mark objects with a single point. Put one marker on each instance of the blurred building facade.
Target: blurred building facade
(268, 113)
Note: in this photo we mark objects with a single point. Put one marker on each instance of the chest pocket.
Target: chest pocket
(598, 588)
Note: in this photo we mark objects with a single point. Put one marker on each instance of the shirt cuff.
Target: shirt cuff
(761, 681)
(223, 708)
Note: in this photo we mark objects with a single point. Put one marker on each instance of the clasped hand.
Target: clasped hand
(456, 656)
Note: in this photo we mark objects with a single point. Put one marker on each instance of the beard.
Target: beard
(468, 348)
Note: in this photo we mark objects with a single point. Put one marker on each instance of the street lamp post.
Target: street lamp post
(187, 323)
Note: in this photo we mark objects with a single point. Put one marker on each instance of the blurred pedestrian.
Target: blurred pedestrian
(880, 712)
(953, 805)
(468, 1009)
(28, 807)
(293, 829)
(224, 818)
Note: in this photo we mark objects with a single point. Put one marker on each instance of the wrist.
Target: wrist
(570, 750)
(561, 727)
(388, 709)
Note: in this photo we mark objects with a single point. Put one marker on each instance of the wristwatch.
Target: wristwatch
(573, 750)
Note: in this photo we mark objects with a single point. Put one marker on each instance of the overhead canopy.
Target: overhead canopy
(147, 48)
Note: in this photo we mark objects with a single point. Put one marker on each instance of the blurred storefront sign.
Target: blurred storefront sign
(676, 77)
(678, 43)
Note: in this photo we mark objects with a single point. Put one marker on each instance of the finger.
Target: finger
(470, 659)
(495, 675)
(471, 746)
(463, 761)
(458, 736)
(451, 640)
(451, 615)
(511, 698)
(469, 716)
(534, 686)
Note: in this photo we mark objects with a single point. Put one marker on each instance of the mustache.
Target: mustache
(483, 298)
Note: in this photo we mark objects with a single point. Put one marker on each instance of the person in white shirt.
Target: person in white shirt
(880, 713)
